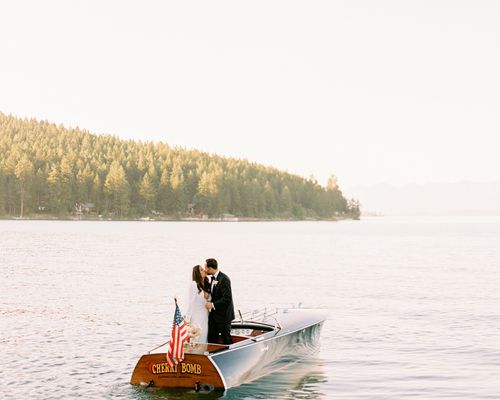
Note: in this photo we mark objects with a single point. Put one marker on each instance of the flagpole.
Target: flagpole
(175, 351)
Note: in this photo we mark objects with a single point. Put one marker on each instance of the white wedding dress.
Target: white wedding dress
(197, 314)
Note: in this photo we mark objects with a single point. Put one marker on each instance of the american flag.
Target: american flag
(175, 352)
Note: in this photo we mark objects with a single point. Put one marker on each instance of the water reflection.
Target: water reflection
(299, 380)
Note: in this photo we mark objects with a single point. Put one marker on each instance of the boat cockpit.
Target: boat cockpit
(248, 330)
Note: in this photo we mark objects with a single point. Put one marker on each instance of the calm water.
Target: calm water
(413, 304)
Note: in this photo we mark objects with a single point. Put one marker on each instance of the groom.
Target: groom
(221, 308)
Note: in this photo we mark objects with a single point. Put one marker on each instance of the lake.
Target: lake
(413, 303)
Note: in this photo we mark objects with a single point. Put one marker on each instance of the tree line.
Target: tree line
(49, 169)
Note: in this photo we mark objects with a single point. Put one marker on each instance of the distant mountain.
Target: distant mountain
(459, 198)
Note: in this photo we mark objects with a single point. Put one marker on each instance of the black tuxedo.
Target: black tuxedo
(219, 319)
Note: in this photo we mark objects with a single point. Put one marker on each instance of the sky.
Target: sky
(394, 92)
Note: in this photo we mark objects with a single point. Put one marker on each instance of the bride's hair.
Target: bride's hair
(201, 284)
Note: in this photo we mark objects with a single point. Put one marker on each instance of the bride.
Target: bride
(197, 315)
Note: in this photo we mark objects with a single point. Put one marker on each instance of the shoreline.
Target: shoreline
(184, 219)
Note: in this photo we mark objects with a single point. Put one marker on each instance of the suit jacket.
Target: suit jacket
(222, 299)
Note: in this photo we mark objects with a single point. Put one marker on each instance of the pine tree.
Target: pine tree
(165, 193)
(55, 190)
(117, 188)
(147, 191)
(24, 174)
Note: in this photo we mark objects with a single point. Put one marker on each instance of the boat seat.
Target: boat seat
(236, 339)
(239, 338)
(257, 332)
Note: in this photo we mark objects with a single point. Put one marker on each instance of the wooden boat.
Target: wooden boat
(261, 341)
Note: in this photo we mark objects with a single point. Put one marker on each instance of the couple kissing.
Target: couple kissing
(211, 309)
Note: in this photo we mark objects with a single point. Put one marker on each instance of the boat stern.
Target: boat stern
(196, 372)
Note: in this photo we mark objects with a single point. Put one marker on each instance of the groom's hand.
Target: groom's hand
(209, 306)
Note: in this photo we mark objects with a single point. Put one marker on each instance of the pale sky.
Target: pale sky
(371, 91)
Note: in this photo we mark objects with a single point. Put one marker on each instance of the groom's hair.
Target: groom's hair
(212, 263)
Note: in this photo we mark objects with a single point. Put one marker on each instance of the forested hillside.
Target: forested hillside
(48, 169)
